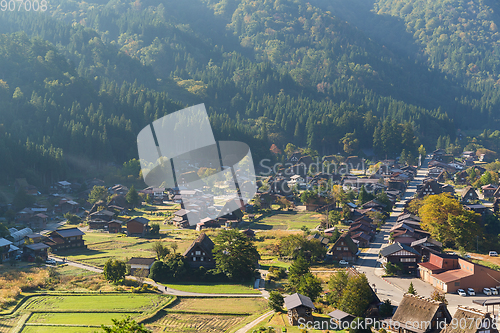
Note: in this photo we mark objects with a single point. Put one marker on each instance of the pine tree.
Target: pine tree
(411, 289)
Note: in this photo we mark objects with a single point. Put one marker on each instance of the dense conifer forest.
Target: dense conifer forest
(79, 81)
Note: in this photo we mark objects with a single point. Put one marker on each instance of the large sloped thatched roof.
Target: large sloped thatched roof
(419, 309)
(470, 319)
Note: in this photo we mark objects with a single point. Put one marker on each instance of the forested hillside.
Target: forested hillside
(82, 79)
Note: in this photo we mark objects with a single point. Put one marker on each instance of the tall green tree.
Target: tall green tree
(98, 193)
(114, 270)
(133, 197)
(356, 296)
(275, 301)
(235, 255)
(337, 284)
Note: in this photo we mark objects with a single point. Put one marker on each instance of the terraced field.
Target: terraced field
(71, 313)
(184, 322)
(200, 315)
(80, 312)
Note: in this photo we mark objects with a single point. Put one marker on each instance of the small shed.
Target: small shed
(299, 306)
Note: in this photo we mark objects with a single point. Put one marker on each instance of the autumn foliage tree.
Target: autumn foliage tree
(447, 221)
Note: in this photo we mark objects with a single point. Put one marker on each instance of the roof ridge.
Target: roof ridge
(423, 298)
(473, 310)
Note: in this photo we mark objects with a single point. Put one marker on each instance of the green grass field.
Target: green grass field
(287, 221)
(103, 246)
(222, 305)
(121, 302)
(56, 329)
(215, 288)
(90, 319)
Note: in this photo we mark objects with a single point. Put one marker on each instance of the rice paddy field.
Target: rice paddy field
(160, 313)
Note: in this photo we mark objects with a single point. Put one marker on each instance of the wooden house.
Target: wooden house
(102, 215)
(323, 240)
(200, 253)
(489, 190)
(5, 248)
(426, 246)
(65, 239)
(115, 226)
(136, 264)
(38, 221)
(402, 254)
(249, 233)
(299, 306)
(482, 321)
(343, 249)
(469, 194)
(137, 226)
(341, 318)
(35, 250)
(417, 314)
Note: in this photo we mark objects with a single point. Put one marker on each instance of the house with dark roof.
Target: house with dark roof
(137, 226)
(115, 226)
(451, 272)
(249, 233)
(469, 194)
(323, 240)
(299, 306)
(6, 248)
(199, 253)
(341, 318)
(489, 190)
(417, 314)
(343, 249)
(403, 236)
(483, 321)
(425, 246)
(38, 221)
(65, 239)
(401, 254)
(431, 187)
(102, 215)
(361, 238)
(35, 250)
(136, 264)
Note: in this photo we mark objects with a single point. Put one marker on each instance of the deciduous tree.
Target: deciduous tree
(235, 254)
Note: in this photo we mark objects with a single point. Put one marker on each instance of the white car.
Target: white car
(487, 291)
(461, 292)
(343, 262)
(471, 292)
(494, 291)
(50, 262)
(493, 254)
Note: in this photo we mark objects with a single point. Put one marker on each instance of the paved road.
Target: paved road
(368, 263)
(393, 288)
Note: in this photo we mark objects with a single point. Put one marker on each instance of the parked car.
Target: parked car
(493, 254)
(494, 291)
(343, 262)
(18, 257)
(461, 292)
(471, 292)
(487, 291)
(467, 256)
(50, 262)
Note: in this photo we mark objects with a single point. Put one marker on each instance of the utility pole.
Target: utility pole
(477, 243)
